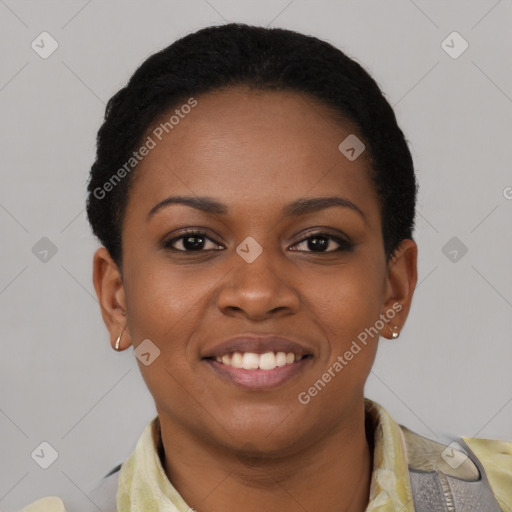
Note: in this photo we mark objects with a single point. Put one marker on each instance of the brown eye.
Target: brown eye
(191, 242)
(323, 242)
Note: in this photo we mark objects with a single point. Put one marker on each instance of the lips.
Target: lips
(258, 362)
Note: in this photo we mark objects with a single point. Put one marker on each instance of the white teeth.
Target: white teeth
(236, 360)
(252, 361)
(267, 361)
(281, 358)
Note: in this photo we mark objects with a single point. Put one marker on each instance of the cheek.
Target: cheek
(344, 304)
(166, 309)
(164, 302)
(164, 306)
(343, 311)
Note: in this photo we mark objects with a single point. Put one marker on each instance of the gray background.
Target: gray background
(61, 382)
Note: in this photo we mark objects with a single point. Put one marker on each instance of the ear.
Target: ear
(109, 288)
(400, 284)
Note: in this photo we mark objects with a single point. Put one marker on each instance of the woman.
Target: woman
(255, 199)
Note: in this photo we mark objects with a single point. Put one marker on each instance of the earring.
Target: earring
(395, 332)
(118, 341)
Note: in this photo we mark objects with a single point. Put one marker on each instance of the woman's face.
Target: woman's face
(257, 266)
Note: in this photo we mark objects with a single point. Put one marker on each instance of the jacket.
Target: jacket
(411, 473)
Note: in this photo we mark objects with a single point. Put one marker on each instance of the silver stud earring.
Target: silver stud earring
(395, 332)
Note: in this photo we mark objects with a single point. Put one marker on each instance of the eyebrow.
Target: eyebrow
(297, 208)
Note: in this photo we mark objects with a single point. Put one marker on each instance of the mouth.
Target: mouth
(255, 371)
(253, 361)
(256, 361)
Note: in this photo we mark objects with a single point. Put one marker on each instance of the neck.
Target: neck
(332, 475)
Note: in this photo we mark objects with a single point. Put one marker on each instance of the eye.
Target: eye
(198, 241)
(322, 242)
(191, 241)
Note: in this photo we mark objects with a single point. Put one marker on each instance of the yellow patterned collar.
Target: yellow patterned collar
(143, 484)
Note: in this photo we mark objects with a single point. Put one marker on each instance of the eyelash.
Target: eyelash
(344, 246)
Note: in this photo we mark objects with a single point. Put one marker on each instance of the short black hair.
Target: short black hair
(237, 54)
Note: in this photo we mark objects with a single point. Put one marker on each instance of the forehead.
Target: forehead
(248, 146)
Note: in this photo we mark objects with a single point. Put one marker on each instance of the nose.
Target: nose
(259, 290)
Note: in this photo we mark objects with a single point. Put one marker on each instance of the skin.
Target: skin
(228, 448)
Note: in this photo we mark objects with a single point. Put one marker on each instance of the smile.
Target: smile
(252, 361)
(258, 371)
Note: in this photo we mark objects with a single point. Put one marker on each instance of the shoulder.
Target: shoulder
(101, 493)
(496, 457)
(462, 460)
